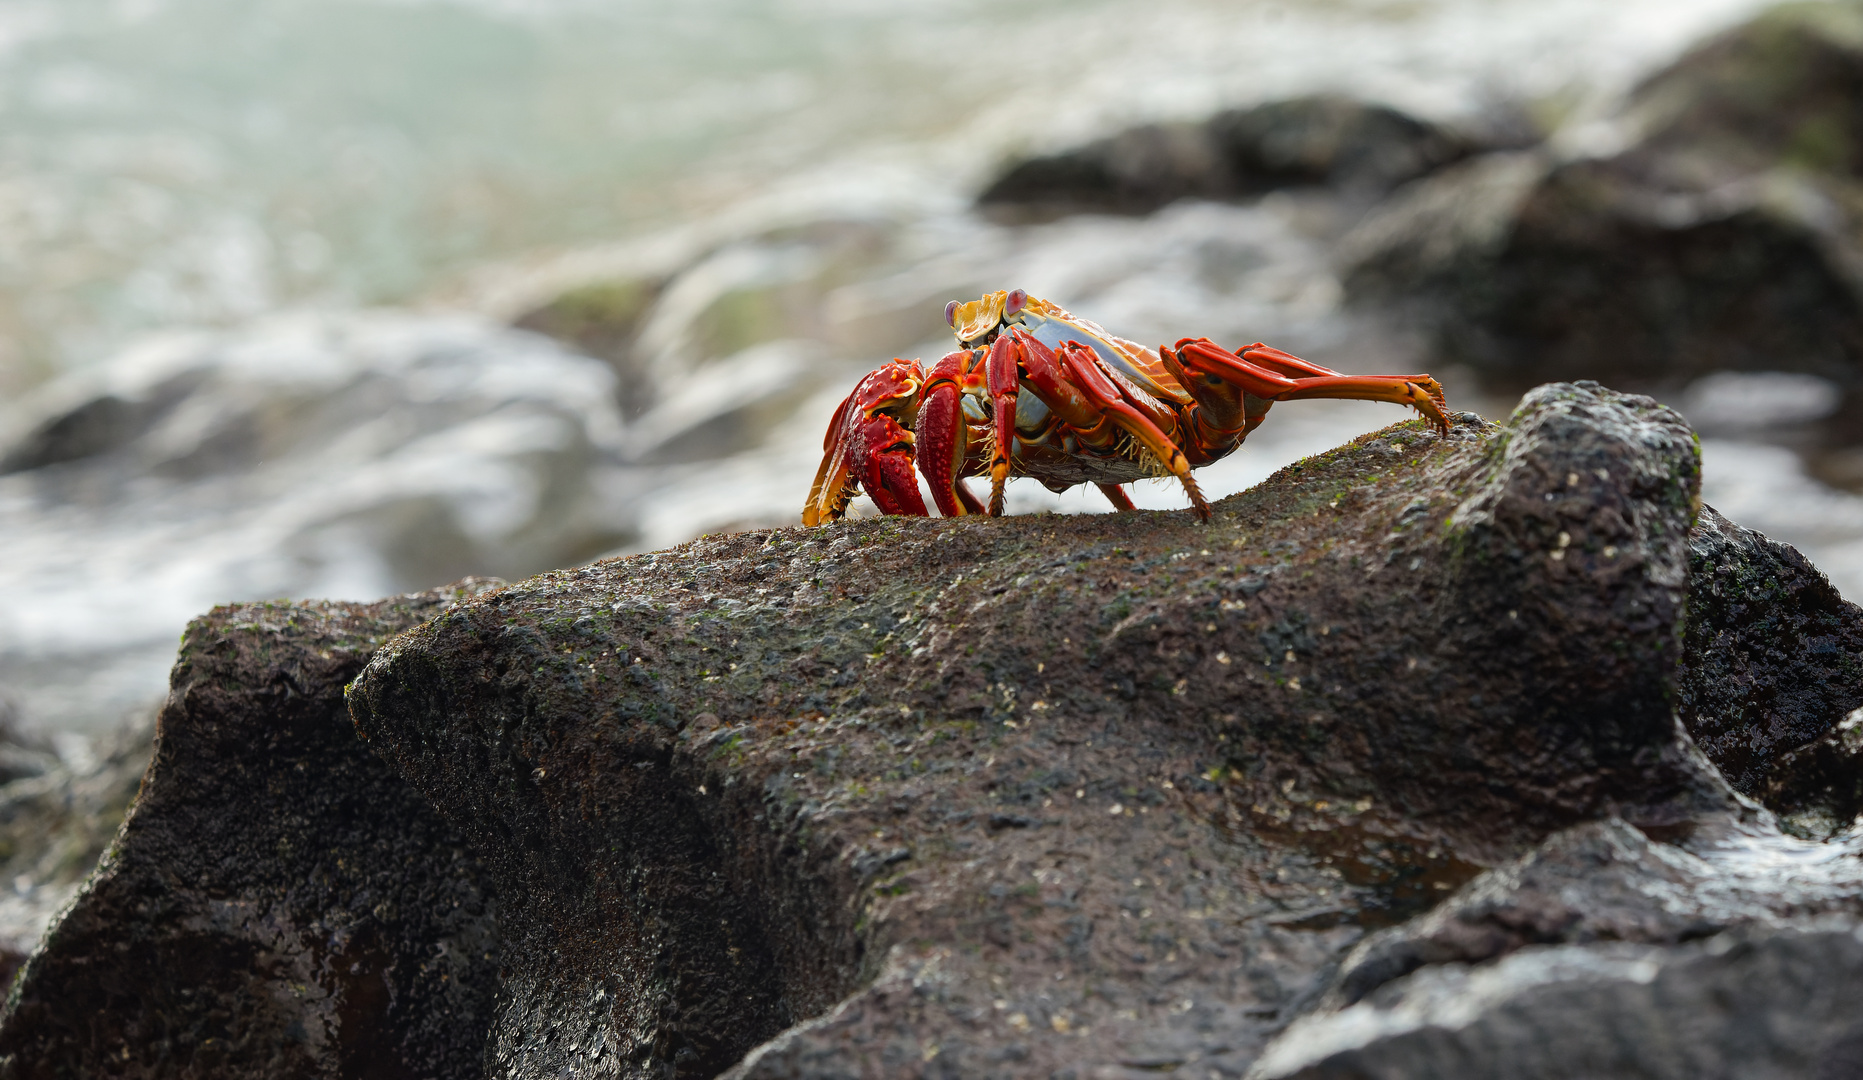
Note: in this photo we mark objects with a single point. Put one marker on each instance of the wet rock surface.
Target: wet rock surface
(1346, 784)
(1088, 797)
(1777, 1003)
(278, 902)
(1774, 658)
(1715, 234)
(1325, 140)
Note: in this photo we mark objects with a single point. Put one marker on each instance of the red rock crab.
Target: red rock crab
(1036, 391)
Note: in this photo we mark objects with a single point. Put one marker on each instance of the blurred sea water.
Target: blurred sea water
(170, 162)
(269, 249)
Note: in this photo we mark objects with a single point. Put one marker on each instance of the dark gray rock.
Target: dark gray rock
(278, 903)
(1322, 140)
(1352, 782)
(1775, 1004)
(1609, 882)
(1040, 796)
(1773, 661)
(1721, 237)
(1783, 89)
(1529, 270)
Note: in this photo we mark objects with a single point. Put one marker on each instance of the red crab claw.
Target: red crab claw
(867, 448)
(1234, 389)
(944, 437)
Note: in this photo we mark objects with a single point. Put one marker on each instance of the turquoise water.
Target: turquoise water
(169, 162)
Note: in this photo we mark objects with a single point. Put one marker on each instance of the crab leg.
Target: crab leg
(1098, 408)
(830, 494)
(1103, 392)
(1117, 496)
(1042, 372)
(1222, 381)
(886, 450)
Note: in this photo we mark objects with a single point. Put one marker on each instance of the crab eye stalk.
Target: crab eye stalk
(950, 314)
(1015, 302)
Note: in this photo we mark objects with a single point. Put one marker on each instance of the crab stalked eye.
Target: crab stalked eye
(1015, 302)
(950, 314)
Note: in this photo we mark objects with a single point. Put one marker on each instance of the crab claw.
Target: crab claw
(943, 436)
(868, 448)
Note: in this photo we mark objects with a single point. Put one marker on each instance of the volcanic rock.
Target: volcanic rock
(1054, 796)
(1750, 1003)
(1773, 657)
(1530, 270)
(279, 902)
(1344, 783)
(1322, 140)
(1717, 235)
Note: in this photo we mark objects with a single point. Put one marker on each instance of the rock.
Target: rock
(1607, 881)
(1762, 1003)
(1322, 140)
(1773, 660)
(1588, 273)
(1336, 141)
(1817, 789)
(1782, 89)
(1344, 784)
(602, 319)
(1133, 172)
(1054, 796)
(278, 902)
(1716, 234)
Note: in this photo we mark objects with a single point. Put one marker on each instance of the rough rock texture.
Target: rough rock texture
(1049, 796)
(1753, 1004)
(1773, 657)
(278, 903)
(1608, 881)
(1720, 237)
(1330, 140)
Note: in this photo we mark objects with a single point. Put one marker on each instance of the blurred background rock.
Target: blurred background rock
(347, 299)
